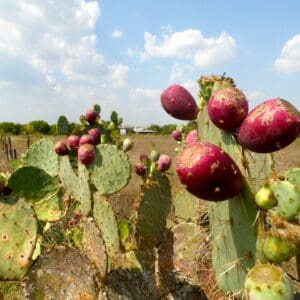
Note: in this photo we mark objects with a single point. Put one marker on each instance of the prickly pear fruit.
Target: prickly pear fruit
(86, 154)
(164, 162)
(177, 135)
(208, 172)
(96, 134)
(144, 158)
(140, 169)
(267, 282)
(293, 176)
(86, 139)
(179, 103)
(278, 250)
(270, 126)
(227, 108)
(61, 148)
(127, 145)
(2, 183)
(91, 116)
(288, 197)
(73, 142)
(264, 198)
(192, 137)
(154, 156)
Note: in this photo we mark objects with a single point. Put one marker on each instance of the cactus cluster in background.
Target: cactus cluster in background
(62, 239)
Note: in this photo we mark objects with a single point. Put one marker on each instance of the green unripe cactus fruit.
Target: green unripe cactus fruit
(278, 250)
(267, 282)
(97, 109)
(264, 198)
(154, 155)
(288, 197)
(293, 176)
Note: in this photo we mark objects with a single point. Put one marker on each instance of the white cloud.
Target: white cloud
(289, 59)
(116, 34)
(57, 39)
(144, 94)
(190, 44)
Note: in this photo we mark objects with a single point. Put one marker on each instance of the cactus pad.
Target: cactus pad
(107, 223)
(61, 273)
(41, 155)
(83, 190)
(18, 235)
(293, 176)
(68, 177)
(94, 246)
(52, 209)
(111, 170)
(34, 184)
(154, 209)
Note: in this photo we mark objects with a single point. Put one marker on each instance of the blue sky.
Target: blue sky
(59, 57)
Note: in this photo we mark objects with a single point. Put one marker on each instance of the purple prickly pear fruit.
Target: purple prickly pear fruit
(73, 142)
(91, 116)
(2, 183)
(86, 139)
(179, 103)
(227, 108)
(270, 126)
(177, 135)
(7, 190)
(154, 156)
(140, 170)
(86, 154)
(192, 138)
(61, 148)
(164, 162)
(127, 145)
(144, 158)
(208, 172)
(96, 134)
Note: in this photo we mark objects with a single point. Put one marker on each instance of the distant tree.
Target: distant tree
(38, 126)
(190, 126)
(10, 128)
(63, 126)
(168, 128)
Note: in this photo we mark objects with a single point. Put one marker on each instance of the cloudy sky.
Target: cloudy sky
(61, 56)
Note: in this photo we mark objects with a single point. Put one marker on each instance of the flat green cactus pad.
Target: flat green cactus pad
(18, 235)
(52, 209)
(107, 223)
(41, 155)
(111, 170)
(94, 246)
(83, 190)
(68, 177)
(154, 209)
(293, 176)
(61, 273)
(33, 184)
(186, 207)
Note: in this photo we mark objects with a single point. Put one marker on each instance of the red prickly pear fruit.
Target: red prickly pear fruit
(227, 108)
(208, 172)
(192, 138)
(270, 126)
(2, 183)
(140, 170)
(86, 139)
(91, 116)
(177, 135)
(96, 134)
(179, 103)
(73, 142)
(86, 154)
(164, 162)
(61, 148)
(144, 158)
(7, 190)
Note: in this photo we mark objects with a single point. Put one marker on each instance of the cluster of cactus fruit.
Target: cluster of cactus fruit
(61, 236)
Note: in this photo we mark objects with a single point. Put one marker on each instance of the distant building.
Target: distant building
(142, 130)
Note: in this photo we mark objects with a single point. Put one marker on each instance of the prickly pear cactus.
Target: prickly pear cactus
(18, 235)
(235, 230)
